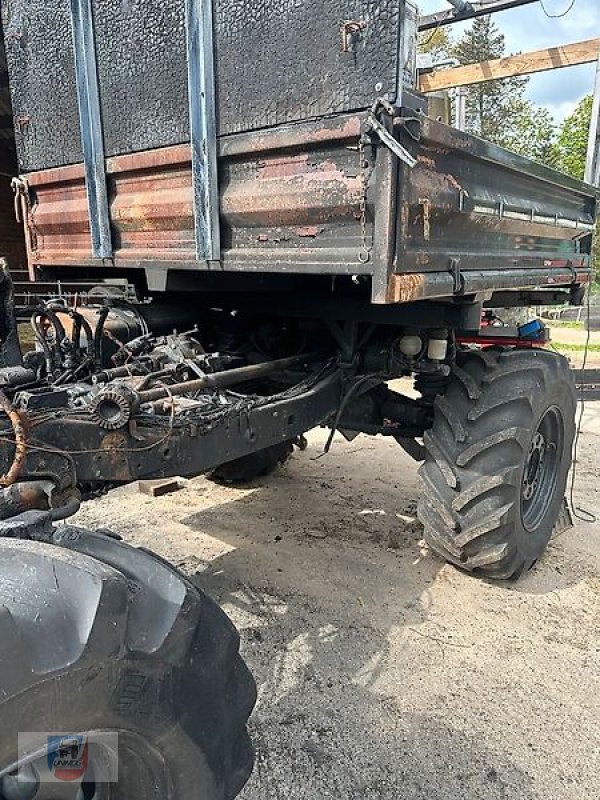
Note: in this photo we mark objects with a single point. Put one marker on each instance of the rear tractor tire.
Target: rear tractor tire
(498, 458)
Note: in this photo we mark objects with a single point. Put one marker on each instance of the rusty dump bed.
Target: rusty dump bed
(291, 201)
(317, 178)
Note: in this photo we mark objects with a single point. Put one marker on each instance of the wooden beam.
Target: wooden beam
(567, 55)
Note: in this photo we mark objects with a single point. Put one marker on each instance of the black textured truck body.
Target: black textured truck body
(276, 62)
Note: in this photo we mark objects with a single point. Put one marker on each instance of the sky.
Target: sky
(529, 28)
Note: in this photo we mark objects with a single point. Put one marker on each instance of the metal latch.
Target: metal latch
(351, 28)
(23, 213)
(21, 192)
(390, 142)
(457, 276)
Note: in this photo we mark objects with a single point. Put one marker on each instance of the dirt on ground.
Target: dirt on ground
(383, 672)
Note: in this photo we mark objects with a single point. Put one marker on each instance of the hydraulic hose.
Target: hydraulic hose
(20, 441)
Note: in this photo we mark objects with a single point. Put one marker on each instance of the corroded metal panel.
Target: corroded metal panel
(152, 205)
(279, 208)
(472, 202)
(141, 54)
(285, 60)
(469, 217)
(59, 221)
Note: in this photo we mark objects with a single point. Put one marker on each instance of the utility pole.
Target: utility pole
(592, 169)
(460, 100)
(464, 11)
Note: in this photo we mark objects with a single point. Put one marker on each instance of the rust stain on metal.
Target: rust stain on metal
(351, 28)
(114, 445)
(271, 194)
(22, 122)
(425, 204)
(309, 231)
(18, 428)
(426, 161)
(407, 287)
(285, 166)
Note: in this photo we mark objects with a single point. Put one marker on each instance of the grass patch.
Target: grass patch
(558, 323)
(575, 348)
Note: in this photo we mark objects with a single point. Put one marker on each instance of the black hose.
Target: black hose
(89, 334)
(43, 343)
(98, 333)
(59, 333)
(71, 507)
(76, 335)
(56, 323)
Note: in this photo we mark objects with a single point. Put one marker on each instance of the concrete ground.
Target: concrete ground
(384, 673)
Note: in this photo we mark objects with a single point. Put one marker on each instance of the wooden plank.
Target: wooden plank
(567, 55)
(159, 486)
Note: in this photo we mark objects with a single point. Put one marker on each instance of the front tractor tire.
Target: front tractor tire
(106, 642)
(498, 458)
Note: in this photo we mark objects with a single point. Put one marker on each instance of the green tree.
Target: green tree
(573, 139)
(489, 104)
(498, 110)
(438, 44)
(531, 132)
(572, 153)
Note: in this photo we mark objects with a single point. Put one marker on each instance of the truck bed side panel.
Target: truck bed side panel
(469, 200)
(293, 201)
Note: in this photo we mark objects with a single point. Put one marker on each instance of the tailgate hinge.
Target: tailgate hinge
(387, 138)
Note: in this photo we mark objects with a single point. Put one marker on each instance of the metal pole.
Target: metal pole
(203, 127)
(473, 10)
(92, 138)
(461, 108)
(460, 5)
(592, 167)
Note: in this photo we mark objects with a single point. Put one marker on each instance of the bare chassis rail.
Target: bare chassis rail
(77, 451)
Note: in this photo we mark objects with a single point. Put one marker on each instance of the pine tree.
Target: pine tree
(489, 105)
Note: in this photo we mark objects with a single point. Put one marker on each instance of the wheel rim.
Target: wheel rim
(134, 761)
(541, 469)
